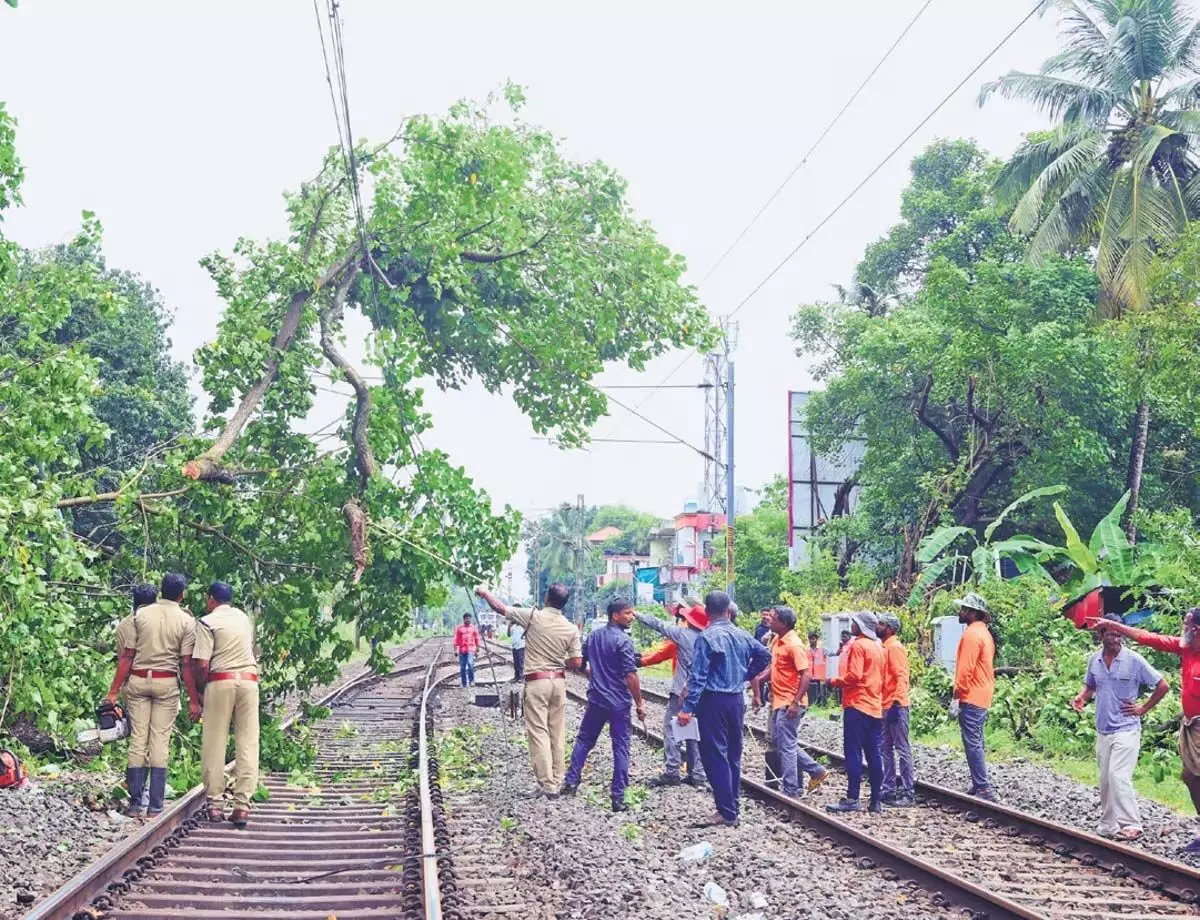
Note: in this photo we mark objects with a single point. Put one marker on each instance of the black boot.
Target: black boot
(135, 779)
(158, 790)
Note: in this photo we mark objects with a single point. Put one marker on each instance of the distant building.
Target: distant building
(620, 568)
(681, 555)
(603, 535)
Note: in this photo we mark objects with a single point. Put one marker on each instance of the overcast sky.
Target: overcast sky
(180, 125)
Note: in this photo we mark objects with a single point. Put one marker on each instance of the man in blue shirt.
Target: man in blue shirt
(613, 686)
(723, 659)
(1115, 678)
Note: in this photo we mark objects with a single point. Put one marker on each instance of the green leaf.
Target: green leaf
(1043, 492)
(933, 545)
(1080, 554)
(1108, 538)
(983, 562)
(929, 575)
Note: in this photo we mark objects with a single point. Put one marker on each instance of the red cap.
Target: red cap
(696, 616)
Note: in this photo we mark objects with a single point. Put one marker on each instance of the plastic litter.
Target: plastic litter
(716, 894)
(696, 852)
(759, 901)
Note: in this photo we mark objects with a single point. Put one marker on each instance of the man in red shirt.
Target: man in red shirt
(466, 643)
(1187, 647)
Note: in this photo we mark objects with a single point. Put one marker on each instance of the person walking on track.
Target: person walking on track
(227, 671)
(691, 620)
(723, 659)
(898, 788)
(613, 686)
(816, 670)
(466, 643)
(552, 648)
(516, 636)
(789, 675)
(1115, 678)
(861, 683)
(1187, 647)
(974, 686)
(155, 647)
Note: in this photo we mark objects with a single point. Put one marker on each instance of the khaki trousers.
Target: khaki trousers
(233, 701)
(546, 730)
(152, 704)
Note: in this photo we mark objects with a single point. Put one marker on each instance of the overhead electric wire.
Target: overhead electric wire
(859, 187)
(820, 138)
(887, 159)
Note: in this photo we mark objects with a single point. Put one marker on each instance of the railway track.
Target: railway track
(994, 860)
(360, 836)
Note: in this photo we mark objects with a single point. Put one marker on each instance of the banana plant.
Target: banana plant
(936, 555)
(1108, 558)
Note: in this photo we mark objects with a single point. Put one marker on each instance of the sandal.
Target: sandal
(240, 817)
(215, 814)
(1128, 834)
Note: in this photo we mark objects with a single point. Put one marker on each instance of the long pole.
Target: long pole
(579, 561)
(730, 489)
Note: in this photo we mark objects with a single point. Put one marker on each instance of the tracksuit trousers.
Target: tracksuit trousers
(620, 729)
(863, 734)
(721, 716)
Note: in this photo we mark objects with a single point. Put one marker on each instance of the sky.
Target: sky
(181, 125)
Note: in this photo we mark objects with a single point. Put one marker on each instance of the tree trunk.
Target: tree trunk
(1137, 463)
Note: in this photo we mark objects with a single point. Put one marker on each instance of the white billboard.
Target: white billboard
(814, 479)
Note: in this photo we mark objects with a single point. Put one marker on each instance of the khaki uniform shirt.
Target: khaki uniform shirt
(225, 639)
(162, 634)
(551, 640)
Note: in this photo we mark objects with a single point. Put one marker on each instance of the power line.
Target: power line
(887, 159)
(820, 138)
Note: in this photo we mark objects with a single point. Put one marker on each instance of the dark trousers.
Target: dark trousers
(620, 729)
(466, 668)
(862, 735)
(518, 663)
(720, 716)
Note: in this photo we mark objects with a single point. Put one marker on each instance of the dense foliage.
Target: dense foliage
(472, 247)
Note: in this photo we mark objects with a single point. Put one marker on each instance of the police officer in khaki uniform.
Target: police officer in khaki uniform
(155, 648)
(226, 669)
(552, 648)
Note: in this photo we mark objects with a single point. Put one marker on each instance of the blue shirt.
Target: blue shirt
(723, 659)
(517, 635)
(611, 658)
(684, 638)
(1122, 682)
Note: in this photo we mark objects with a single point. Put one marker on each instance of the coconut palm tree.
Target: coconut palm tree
(1119, 176)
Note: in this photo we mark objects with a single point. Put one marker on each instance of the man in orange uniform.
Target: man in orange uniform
(974, 685)
(861, 683)
(789, 701)
(895, 716)
(816, 659)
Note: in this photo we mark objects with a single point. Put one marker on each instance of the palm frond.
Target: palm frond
(1073, 220)
(1185, 94)
(1055, 176)
(1088, 53)
(1150, 219)
(1057, 97)
(1185, 57)
(1142, 39)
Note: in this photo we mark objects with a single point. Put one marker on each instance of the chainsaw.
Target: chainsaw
(112, 724)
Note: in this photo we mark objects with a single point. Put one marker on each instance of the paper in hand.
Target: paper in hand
(689, 732)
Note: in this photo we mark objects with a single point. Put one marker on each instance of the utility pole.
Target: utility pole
(579, 561)
(730, 488)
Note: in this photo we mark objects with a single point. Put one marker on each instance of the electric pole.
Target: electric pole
(730, 488)
(579, 560)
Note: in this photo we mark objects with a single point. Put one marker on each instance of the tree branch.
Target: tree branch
(929, 423)
(364, 458)
(82, 500)
(207, 466)
(487, 258)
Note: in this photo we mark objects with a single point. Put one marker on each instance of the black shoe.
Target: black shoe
(568, 789)
(888, 798)
(667, 779)
(619, 807)
(901, 801)
(874, 809)
(696, 782)
(987, 794)
(845, 805)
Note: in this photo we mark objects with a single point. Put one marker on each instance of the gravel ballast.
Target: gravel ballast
(48, 833)
(1030, 787)
(574, 858)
